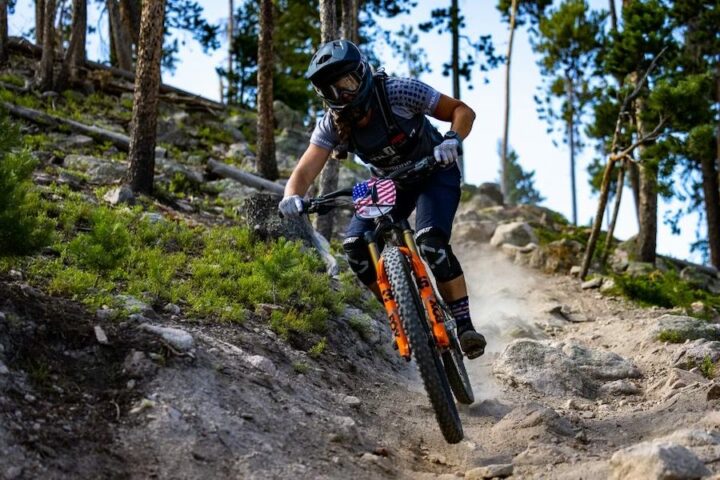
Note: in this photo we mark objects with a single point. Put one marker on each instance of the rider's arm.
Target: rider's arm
(307, 169)
(449, 109)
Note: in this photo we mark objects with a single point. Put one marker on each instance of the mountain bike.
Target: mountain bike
(422, 324)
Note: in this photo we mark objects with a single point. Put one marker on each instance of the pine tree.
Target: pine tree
(143, 125)
(568, 44)
(39, 21)
(521, 184)
(266, 162)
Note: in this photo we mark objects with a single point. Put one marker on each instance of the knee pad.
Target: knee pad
(359, 259)
(434, 247)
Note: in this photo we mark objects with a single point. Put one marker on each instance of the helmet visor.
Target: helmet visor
(343, 89)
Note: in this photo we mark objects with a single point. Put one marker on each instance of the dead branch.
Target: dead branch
(612, 158)
(653, 135)
(120, 140)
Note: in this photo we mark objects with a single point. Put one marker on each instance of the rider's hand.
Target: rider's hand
(291, 206)
(448, 151)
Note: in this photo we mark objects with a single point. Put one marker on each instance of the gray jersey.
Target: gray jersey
(410, 100)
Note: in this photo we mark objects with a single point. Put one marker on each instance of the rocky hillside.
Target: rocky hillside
(179, 337)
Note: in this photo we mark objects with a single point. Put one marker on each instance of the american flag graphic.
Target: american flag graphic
(362, 198)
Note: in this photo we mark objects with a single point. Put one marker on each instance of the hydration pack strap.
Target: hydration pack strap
(395, 134)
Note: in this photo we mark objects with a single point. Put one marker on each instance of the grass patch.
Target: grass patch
(300, 368)
(318, 349)
(361, 326)
(707, 367)
(12, 79)
(666, 290)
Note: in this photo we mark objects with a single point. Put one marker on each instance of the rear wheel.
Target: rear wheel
(422, 344)
(457, 374)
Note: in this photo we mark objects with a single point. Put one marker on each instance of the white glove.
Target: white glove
(447, 152)
(291, 206)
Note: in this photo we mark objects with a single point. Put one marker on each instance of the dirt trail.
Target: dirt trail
(556, 436)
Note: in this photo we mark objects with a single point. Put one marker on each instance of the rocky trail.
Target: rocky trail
(583, 391)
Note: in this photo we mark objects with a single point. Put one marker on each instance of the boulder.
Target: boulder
(515, 233)
(686, 327)
(260, 212)
(493, 192)
(490, 471)
(286, 117)
(176, 338)
(537, 417)
(697, 278)
(474, 231)
(557, 368)
(561, 255)
(639, 269)
(656, 461)
(693, 354)
(171, 168)
(99, 171)
(121, 194)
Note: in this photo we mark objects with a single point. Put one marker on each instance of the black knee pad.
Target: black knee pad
(435, 249)
(359, 259)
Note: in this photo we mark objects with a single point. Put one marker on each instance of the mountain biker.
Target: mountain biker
(382, 120)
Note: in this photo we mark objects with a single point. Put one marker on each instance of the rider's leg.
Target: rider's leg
(436, 207)
(358, 256)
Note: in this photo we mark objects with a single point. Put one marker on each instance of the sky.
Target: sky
(537, 150)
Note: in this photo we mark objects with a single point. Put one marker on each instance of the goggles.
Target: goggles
(344, 89)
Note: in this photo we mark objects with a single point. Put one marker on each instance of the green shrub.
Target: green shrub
(707, 367)
(666, 290)
(106, 245)
(318, 349)
(361, 326)
(24, 227)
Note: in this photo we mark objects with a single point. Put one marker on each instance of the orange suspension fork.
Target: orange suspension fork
(389, 302)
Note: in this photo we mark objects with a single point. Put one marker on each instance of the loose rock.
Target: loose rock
(490, 471)
(656, 460)
(262, 363)
(515, 233)
(176, 338)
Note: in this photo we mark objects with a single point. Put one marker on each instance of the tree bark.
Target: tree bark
(647, 237)
(571, 142)
(121, 43)
(75, 54)
(711, 194)
(347, 26)
(143, 125)
(130, 18)
(3, 32)
(328, 21)
(45, 69)
(39, 21)
(455, 34)
(232, 84)
(329, 175)
(506, 126)
(266, 162)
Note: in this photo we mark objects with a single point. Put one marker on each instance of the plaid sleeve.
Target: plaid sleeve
(412, 96)
(325, 135)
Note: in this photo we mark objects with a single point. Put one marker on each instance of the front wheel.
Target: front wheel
(422, 344)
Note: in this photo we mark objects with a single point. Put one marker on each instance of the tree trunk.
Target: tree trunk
(613, 16)
(347, 26)
(647, 237)
(121, 43)
(75, 54)
(143, 126)
(506, 127)
(619, 185)
(45, 69)
(266, 162)
(455, 60)
(130, 18)
(3, 32)
(711, 194)
(571, 142)
(328, 22)
(232, 83)
(329, 174)
(39, 21)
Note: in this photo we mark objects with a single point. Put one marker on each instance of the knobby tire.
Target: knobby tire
(427, 358)
(457, 374)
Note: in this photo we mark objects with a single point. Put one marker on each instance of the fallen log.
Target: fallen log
(319, 242)
(27, 48)
(120, 140)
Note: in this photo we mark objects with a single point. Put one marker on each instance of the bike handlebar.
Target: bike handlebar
(320, 204)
